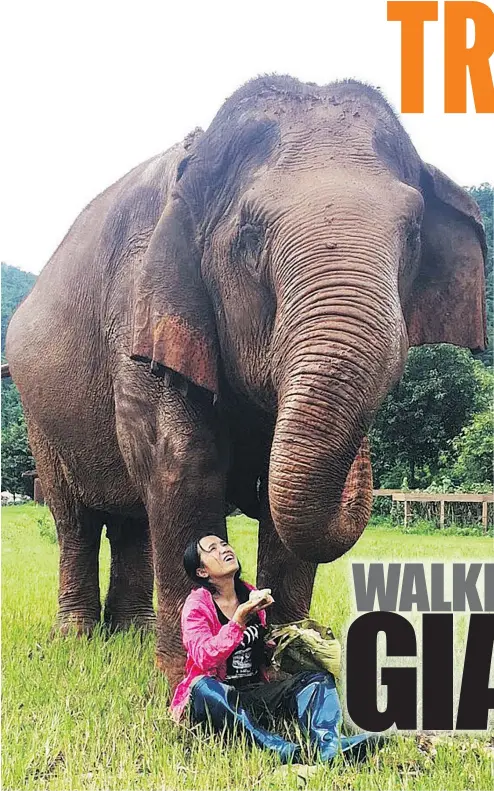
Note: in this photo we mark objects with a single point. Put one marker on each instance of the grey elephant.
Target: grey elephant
(220, 327)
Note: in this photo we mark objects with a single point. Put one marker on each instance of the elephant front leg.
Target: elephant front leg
(182, 507)
(130, 595)
(173, 587)
(291, 580)
(178, 462)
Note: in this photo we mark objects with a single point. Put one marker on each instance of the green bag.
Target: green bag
(305, 645)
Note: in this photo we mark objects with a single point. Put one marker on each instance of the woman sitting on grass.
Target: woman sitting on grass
(223, 627)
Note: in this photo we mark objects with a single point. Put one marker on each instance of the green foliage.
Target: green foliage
(475, 449)
(485, 386)
(11, 404)
(441, 388)
(46, 526)
(16, 453)
(16, 284)
(425, 527)
(16, 459)
(16, 456)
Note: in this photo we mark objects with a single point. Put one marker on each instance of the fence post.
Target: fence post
(406, 513)
(38, 492)
(484, 516)
(441, 515)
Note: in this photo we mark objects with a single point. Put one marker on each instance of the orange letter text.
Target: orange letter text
(457, 58)
(412, 17)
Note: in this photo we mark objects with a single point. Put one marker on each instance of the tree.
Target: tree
(475, 449)
(16, 459)
(16, 284)
(11, 404)
(441, 388)
(16, 456)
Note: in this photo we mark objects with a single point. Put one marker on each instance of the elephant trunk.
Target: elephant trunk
(336, 358)
(320, 482)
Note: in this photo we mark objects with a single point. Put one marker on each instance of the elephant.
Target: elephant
(218, 329)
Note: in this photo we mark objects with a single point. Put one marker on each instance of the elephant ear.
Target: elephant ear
(173, 321)
(447, 304)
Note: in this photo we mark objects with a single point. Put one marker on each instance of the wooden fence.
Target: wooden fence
(407, 498)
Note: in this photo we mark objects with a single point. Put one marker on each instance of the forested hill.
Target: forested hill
(16, 284)
(16, 454)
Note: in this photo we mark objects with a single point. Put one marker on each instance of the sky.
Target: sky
(91, 89)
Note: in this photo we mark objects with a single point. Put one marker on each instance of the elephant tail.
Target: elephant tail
(5, 371)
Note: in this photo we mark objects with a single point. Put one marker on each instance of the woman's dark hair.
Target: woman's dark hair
(192, 561)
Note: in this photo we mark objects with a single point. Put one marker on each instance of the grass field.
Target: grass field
(81, 714)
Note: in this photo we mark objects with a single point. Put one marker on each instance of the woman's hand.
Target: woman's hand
(258, 600)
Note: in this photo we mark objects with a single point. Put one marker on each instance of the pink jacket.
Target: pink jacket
(208, 644)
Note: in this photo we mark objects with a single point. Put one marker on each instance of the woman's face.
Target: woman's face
(217, 558)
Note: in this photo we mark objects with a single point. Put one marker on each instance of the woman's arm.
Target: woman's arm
(208, 650)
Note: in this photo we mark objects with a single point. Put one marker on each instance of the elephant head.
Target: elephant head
(305, 246)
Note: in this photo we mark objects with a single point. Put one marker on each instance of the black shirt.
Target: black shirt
(244, 663)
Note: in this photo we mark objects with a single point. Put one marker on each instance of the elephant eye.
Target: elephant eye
(249, 245)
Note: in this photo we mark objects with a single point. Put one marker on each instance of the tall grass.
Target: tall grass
(93, 714)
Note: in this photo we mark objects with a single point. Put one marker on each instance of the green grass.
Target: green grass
(93, 714)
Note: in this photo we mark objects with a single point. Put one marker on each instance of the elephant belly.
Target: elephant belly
(250, 435)
(81, 432)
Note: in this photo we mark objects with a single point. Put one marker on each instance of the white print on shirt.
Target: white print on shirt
(242, 663)
(250, 634)
(242, 656)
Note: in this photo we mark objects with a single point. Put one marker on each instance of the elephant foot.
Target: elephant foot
(73, 624)
(120, 622)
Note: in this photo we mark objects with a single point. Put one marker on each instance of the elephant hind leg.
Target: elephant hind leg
(79, 534)
(130, 595)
